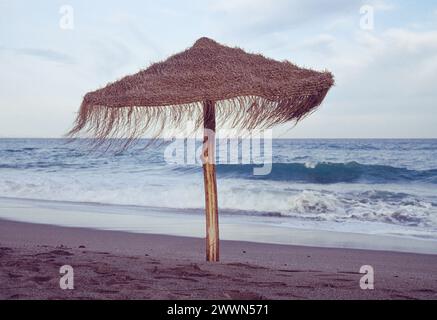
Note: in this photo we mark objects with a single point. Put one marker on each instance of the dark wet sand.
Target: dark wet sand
(120, 265)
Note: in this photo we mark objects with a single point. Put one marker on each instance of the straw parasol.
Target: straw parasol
(212, 85)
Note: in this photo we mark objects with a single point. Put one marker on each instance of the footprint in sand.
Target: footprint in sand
(268, 284)
(4, 251)
(61, 252)
(296, 271)
(245, 265)
(175, 278)
(14, 276)
(103, 270)
(18, 296)
(425, 290)
(40, 279)
(242, 295)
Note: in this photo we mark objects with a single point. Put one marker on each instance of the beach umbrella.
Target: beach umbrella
(212, 85)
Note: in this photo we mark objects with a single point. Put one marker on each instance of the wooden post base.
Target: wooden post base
(212, 226)
(209, 175)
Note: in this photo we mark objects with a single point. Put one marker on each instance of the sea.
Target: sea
(360, 186)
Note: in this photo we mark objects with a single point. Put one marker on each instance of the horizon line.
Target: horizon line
(278, 138)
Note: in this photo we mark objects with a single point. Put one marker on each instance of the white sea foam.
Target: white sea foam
(235, 195)
(311, 164)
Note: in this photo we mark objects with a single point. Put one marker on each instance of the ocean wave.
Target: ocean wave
(327, 172)
(235, 197)
(404, 210)
(310, 180)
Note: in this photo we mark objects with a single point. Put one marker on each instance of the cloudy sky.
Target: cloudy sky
(386, 76)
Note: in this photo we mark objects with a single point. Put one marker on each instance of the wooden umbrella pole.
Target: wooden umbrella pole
(209, 176)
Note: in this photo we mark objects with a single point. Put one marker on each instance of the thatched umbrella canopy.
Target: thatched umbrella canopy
(210, 84)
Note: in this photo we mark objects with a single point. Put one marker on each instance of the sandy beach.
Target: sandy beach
(122, 265)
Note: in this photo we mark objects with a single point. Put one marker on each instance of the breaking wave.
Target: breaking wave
(325, 173)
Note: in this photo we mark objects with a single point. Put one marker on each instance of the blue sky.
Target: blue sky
(385, 77)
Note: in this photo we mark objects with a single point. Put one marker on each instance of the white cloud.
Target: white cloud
(41, 53)
(322, 39)
(410, 40)
(260, 16)
(322, 43)
(381, 5)
(394, 71)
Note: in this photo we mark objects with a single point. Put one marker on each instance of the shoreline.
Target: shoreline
(122, 265)
(173, 222)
